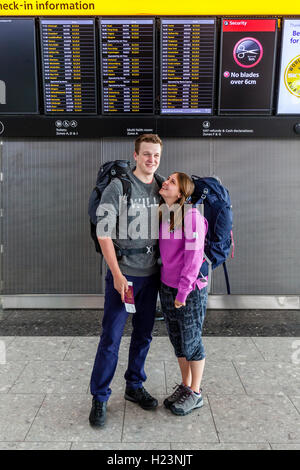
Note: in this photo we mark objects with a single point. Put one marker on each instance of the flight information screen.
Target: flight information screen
(68, 64)
(18, 71)
(187, 66)
(127, 66)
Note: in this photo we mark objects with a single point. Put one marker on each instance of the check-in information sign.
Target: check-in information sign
(247, 66)
(289, 86)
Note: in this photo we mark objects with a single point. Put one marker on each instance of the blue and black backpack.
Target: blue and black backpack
(218, 212)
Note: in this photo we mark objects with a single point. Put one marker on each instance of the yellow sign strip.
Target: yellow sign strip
(137, 7)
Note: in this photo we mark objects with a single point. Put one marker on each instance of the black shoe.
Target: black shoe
(142, 397)
(98, 413)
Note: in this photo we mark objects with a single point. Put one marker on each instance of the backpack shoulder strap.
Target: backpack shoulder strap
(159, 179)
(126, 186)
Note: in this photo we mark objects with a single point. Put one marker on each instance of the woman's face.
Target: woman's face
(170, 190)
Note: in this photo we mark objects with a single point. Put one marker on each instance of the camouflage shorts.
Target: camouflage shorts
(185, 324)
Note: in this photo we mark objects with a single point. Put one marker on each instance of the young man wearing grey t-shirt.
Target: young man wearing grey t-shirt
(131, 253)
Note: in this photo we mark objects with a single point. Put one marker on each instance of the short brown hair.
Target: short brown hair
(153, 138)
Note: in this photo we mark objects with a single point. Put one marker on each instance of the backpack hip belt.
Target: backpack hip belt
(148, 250)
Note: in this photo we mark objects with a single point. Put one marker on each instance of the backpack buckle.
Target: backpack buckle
(204, 193)
(118, 253)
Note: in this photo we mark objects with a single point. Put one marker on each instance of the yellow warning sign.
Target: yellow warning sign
(292, 77)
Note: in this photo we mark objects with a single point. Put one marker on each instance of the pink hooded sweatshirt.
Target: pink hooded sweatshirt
(182, 254)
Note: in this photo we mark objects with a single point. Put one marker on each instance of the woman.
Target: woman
(183, 294)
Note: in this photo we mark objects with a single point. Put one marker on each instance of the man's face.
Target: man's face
(148, 158)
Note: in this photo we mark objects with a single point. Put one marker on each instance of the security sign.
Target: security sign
(247, 65)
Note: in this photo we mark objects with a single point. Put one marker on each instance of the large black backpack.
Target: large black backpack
(108, 171)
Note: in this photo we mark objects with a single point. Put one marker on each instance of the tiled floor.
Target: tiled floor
(251, 389)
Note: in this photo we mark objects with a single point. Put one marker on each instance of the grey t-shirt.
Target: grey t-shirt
(137, 222)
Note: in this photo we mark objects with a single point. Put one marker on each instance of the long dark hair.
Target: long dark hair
(186, 188)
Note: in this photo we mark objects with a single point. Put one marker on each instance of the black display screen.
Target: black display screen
(69, 70)
(18, 77)
(113, 76)
(247, 66)
(187, 66)
(127, 66)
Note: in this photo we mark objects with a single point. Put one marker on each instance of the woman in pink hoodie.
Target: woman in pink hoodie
(183, 292)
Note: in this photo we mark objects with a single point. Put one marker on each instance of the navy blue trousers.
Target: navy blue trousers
(145, 291)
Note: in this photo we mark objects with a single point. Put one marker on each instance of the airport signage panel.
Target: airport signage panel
(289, 84)
(247, 66)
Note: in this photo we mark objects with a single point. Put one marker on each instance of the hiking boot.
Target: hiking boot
(188, 402)
(98, 413)
(142, 397)
(175, 395)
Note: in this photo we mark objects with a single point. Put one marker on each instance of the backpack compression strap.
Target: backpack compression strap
(226, 278)
(133, 251)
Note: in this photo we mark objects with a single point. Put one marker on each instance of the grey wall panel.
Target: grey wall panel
(46, 241)
(263, 178)
(178, 154)
(187, 155)
(47, 248)
(113, 149)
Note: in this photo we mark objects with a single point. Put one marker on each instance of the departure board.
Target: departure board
(69, 71)
(187, 66)
(127, 64)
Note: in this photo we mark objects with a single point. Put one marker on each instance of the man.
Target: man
(129, 258)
